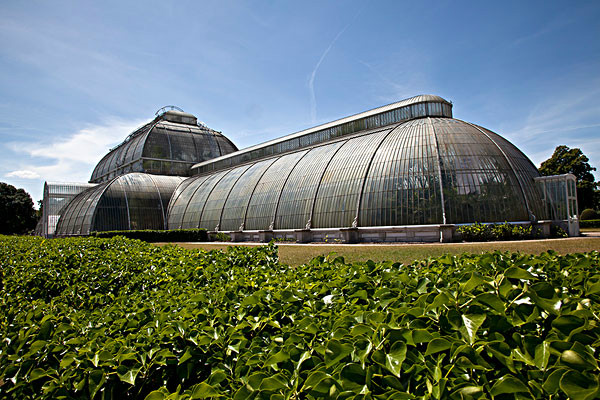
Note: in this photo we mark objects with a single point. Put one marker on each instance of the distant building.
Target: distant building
(407, 171)
(56, 196)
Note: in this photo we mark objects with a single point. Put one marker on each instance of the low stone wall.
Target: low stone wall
(381, 234)
(385, 234)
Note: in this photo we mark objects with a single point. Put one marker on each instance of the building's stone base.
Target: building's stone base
(382, 234)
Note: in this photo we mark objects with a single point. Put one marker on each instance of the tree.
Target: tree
(17, 214)
(573, 161)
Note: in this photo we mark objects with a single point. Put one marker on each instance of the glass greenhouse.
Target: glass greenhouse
(56, 196)
(131, 201)
(407, 171)
(168, 145)
(429, 170)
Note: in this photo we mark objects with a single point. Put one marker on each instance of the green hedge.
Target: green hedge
(590, 223)
(479, 232)
(90, 318)
(148, 235)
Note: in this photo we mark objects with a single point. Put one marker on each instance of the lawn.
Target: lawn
(295, 254)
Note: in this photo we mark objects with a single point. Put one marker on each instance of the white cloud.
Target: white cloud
(23, 174)
(74, 157)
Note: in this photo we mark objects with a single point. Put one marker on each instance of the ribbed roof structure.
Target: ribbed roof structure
(404, 110)
(427, 170)
(168, 145)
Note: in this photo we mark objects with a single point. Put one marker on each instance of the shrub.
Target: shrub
(557, 232)
(219, 237)
(284, 240)
(593, 223)
(589, 214)
(148, 235)
(479, 232)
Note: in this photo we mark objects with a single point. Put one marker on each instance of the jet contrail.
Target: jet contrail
(311, 81)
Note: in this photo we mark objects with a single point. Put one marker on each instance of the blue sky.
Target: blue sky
(76, 77)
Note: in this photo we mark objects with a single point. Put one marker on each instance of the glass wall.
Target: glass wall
(403, 186)
(131, 201)
(478, 182)
(559, 196)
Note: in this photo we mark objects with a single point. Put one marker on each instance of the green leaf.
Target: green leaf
(127, 374)
(360, 294)
(353, 377)
(95, 381)
(276, 358)
(518, 273)
(552, 382)
(186, 356)
(335, 352)
(578, 386)
(542, 355)
(305, 356)
(472, 322)
(315, 378)
(36, 346)
(578, 358)
(199, 298)
(217, 377)
(592, 289)
(275, 382)
(421, 336)
(508, 384)
(67, 361)
(475, 280)
(156, 395)
(492, 301)
(203, 390)
(37, 373)
(395, 358)
(362, 348)
(256, 379)
(469, 391)
(437, 345)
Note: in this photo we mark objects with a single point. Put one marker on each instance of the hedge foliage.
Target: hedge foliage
(589, 214)
(148, 235)
(116, 318)
(479, 232)
(593, 223)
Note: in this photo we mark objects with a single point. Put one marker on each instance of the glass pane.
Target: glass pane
(234, 212)
(261, 210)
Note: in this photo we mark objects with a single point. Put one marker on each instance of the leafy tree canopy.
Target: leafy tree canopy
(573, 161)
(17, 214)
(568, 161)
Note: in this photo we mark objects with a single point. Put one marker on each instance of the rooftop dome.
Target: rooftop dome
(429, 170)
(168, 145)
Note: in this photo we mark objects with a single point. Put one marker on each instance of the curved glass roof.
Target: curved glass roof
(404, 110)
(430, 170)
(168, 145)
(131, 201)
